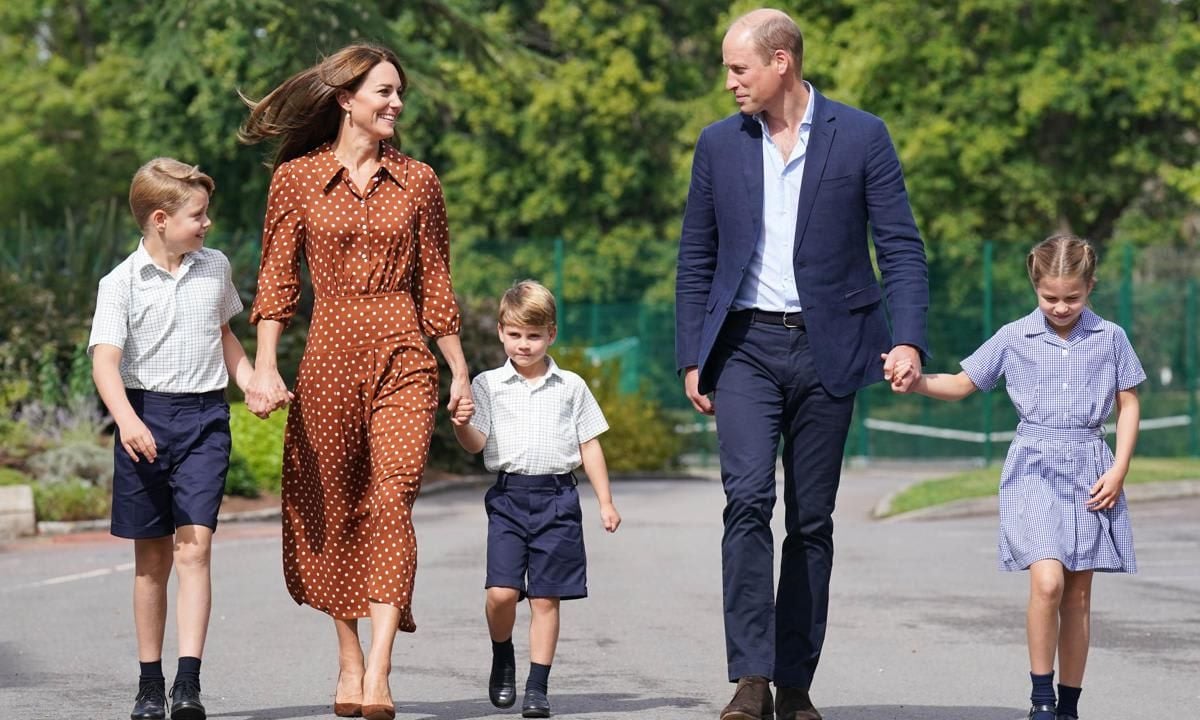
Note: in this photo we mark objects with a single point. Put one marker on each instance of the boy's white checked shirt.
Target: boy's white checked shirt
(168, 327)
(534, 428)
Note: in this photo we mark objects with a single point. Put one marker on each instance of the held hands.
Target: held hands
(610, 517)
(1106, 491)
(137, 440)
(266, 392)
(902, 368)
(461, 405)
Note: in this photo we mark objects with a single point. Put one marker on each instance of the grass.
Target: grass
(984, 482)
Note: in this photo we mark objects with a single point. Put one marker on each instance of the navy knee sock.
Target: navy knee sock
(1043, 689)
(189, 669)
(503, 651)
(1068, 700)
(539, 677)
(151, 671)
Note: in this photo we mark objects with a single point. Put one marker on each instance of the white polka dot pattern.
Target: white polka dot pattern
(358, 432)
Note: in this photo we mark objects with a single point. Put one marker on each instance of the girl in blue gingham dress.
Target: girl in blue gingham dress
(1062, 508)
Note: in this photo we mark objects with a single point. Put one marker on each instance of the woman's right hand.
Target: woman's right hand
(266, 392)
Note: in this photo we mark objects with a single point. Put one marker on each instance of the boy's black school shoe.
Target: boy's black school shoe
(1064, 716)
(536, 704)
(151, 701)
(185, 701)
(502, 684)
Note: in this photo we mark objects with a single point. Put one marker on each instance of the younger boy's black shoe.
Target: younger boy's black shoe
(502, 685)
(185, 701)
(151, 702)
(536, 704)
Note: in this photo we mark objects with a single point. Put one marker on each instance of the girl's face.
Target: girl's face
(1062, 300)
(376, 104)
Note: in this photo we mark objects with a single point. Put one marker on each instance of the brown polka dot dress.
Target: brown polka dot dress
(358, 431)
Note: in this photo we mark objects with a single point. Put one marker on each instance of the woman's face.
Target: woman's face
(376, 104)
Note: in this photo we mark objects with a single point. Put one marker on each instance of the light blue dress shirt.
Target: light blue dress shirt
(770, 279)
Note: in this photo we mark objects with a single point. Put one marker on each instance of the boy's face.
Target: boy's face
(184, 230)
(526, 345)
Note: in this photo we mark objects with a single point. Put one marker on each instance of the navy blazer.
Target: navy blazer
(851, 177)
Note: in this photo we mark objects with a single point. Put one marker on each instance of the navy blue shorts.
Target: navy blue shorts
(185, 483)
(535, 533)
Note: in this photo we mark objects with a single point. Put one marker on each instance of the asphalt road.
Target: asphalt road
(923, 626)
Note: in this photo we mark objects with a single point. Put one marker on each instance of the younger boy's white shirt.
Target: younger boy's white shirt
(534, 428)
(168, 327)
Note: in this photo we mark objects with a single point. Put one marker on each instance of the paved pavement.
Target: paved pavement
(922, 626)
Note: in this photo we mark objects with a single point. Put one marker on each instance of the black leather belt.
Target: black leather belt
(793, 320)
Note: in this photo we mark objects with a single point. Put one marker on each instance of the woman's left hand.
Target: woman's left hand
(461, 405)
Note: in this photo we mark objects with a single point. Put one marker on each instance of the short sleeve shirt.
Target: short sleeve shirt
(534, 428)
(167, 326)
(1058, 383)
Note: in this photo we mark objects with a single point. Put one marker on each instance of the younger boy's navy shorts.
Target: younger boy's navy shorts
(535, 536)
(185, 483)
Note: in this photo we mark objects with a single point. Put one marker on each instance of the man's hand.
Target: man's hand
(691, 388)
(902, 367)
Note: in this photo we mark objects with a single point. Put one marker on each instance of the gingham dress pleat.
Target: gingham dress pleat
(358, 432)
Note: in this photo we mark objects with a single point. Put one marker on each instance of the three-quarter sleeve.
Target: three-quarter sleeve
(433, 293)
(278, 293)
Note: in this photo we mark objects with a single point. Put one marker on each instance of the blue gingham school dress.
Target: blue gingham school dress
(1063, 391)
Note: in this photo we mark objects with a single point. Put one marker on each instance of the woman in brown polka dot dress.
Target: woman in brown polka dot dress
(370, 223)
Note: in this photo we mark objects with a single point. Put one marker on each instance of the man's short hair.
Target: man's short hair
(528, 304)
(165, 184)
(772, 30)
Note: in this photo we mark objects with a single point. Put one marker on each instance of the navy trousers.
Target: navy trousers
(766, 388)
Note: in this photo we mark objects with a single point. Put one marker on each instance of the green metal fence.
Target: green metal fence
(1160, 316)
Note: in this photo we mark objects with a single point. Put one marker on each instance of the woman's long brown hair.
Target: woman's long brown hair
(303, 111)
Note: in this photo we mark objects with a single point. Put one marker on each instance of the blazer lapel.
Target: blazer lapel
(752, 171)
(820, 139)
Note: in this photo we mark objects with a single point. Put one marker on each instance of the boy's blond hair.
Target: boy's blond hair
(528, 304)
(165, 184)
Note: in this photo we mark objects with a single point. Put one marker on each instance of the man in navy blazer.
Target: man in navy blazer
(780, 318)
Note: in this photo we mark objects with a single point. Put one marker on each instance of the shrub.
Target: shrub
(241, 480)
(640, 436)
(12, 476)
(74, 461)
(70, 499)
(257, 458)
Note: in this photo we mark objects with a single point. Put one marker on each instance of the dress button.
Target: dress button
(1065, 352)
(1064, 386)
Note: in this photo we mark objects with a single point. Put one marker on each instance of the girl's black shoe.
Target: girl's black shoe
(1043, 712)
(151, 701)
(185, 701)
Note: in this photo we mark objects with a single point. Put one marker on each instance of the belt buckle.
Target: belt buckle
(785, 321)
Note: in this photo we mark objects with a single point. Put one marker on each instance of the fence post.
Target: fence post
(1125, 308)
(559, 287)
(986, 398)
(864, 438)
(1189, 368)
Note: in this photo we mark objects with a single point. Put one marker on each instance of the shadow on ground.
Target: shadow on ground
(920, 712)
(615, 704)
(618, 705)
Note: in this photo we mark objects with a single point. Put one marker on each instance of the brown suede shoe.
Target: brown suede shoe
(794, 704)
(751, 701)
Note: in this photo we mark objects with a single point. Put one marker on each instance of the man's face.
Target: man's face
(754, 81)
